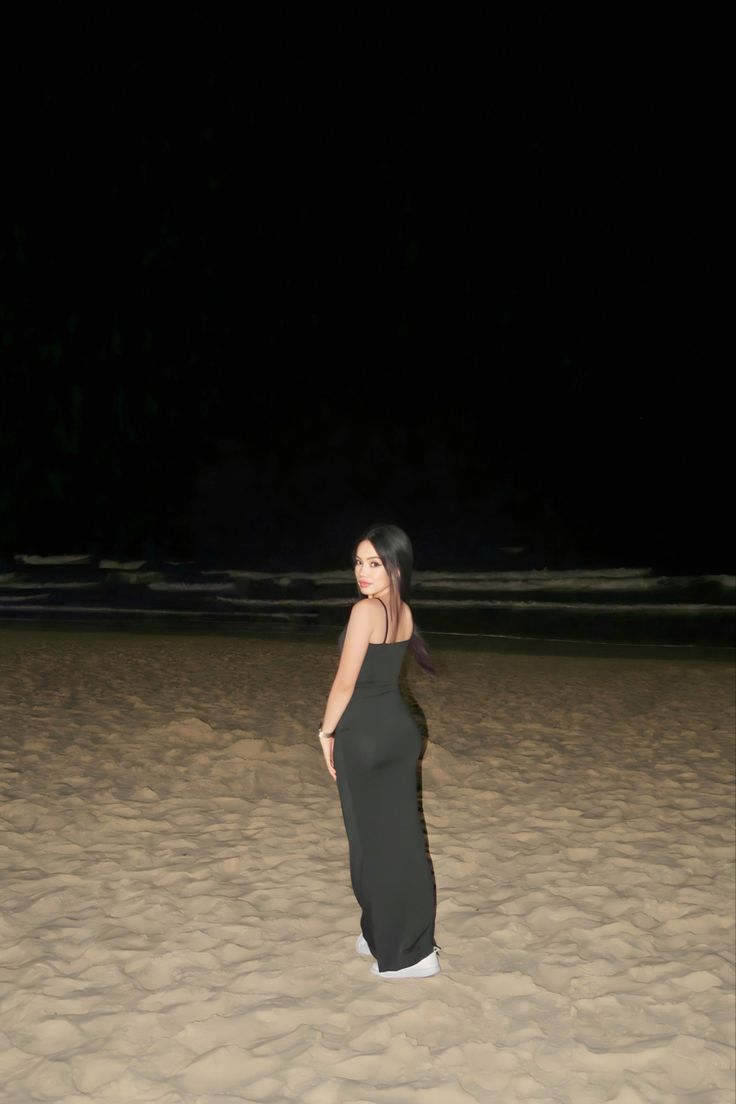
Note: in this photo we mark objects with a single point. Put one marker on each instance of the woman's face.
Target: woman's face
(371, 576)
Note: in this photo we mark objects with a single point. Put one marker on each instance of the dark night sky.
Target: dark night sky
(273, 272)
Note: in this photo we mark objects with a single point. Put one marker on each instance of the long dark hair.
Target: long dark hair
(396, 552)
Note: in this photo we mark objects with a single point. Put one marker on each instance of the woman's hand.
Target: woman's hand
(328, 749)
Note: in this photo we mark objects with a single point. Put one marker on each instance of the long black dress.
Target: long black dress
(377, 745)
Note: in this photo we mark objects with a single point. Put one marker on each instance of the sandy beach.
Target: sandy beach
(177, 924)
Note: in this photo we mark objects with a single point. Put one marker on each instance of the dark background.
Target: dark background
(273, 272)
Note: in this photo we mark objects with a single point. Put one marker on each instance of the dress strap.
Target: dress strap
(386, 612)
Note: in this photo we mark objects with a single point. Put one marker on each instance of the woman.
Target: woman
(371, 744)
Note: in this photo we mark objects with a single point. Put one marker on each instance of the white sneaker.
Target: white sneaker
(362, 947)
(425, 968)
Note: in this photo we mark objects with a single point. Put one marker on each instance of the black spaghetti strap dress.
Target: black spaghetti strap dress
(377, 746)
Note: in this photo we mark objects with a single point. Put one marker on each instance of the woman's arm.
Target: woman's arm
(355, 646)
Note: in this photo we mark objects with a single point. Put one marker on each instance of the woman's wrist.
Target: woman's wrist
(323, 733)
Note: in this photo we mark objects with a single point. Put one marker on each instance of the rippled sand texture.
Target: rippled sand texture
(176, 919)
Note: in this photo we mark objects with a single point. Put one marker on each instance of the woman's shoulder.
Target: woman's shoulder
(364, 617)
(361, 610)
(370, 614)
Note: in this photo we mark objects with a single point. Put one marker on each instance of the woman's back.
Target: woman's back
(387, 633)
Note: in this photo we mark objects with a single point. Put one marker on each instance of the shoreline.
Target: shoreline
(197, 625)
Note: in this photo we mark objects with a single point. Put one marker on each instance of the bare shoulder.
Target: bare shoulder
(407, 619)
(364, 613)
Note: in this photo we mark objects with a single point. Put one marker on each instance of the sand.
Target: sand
(176, 919)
